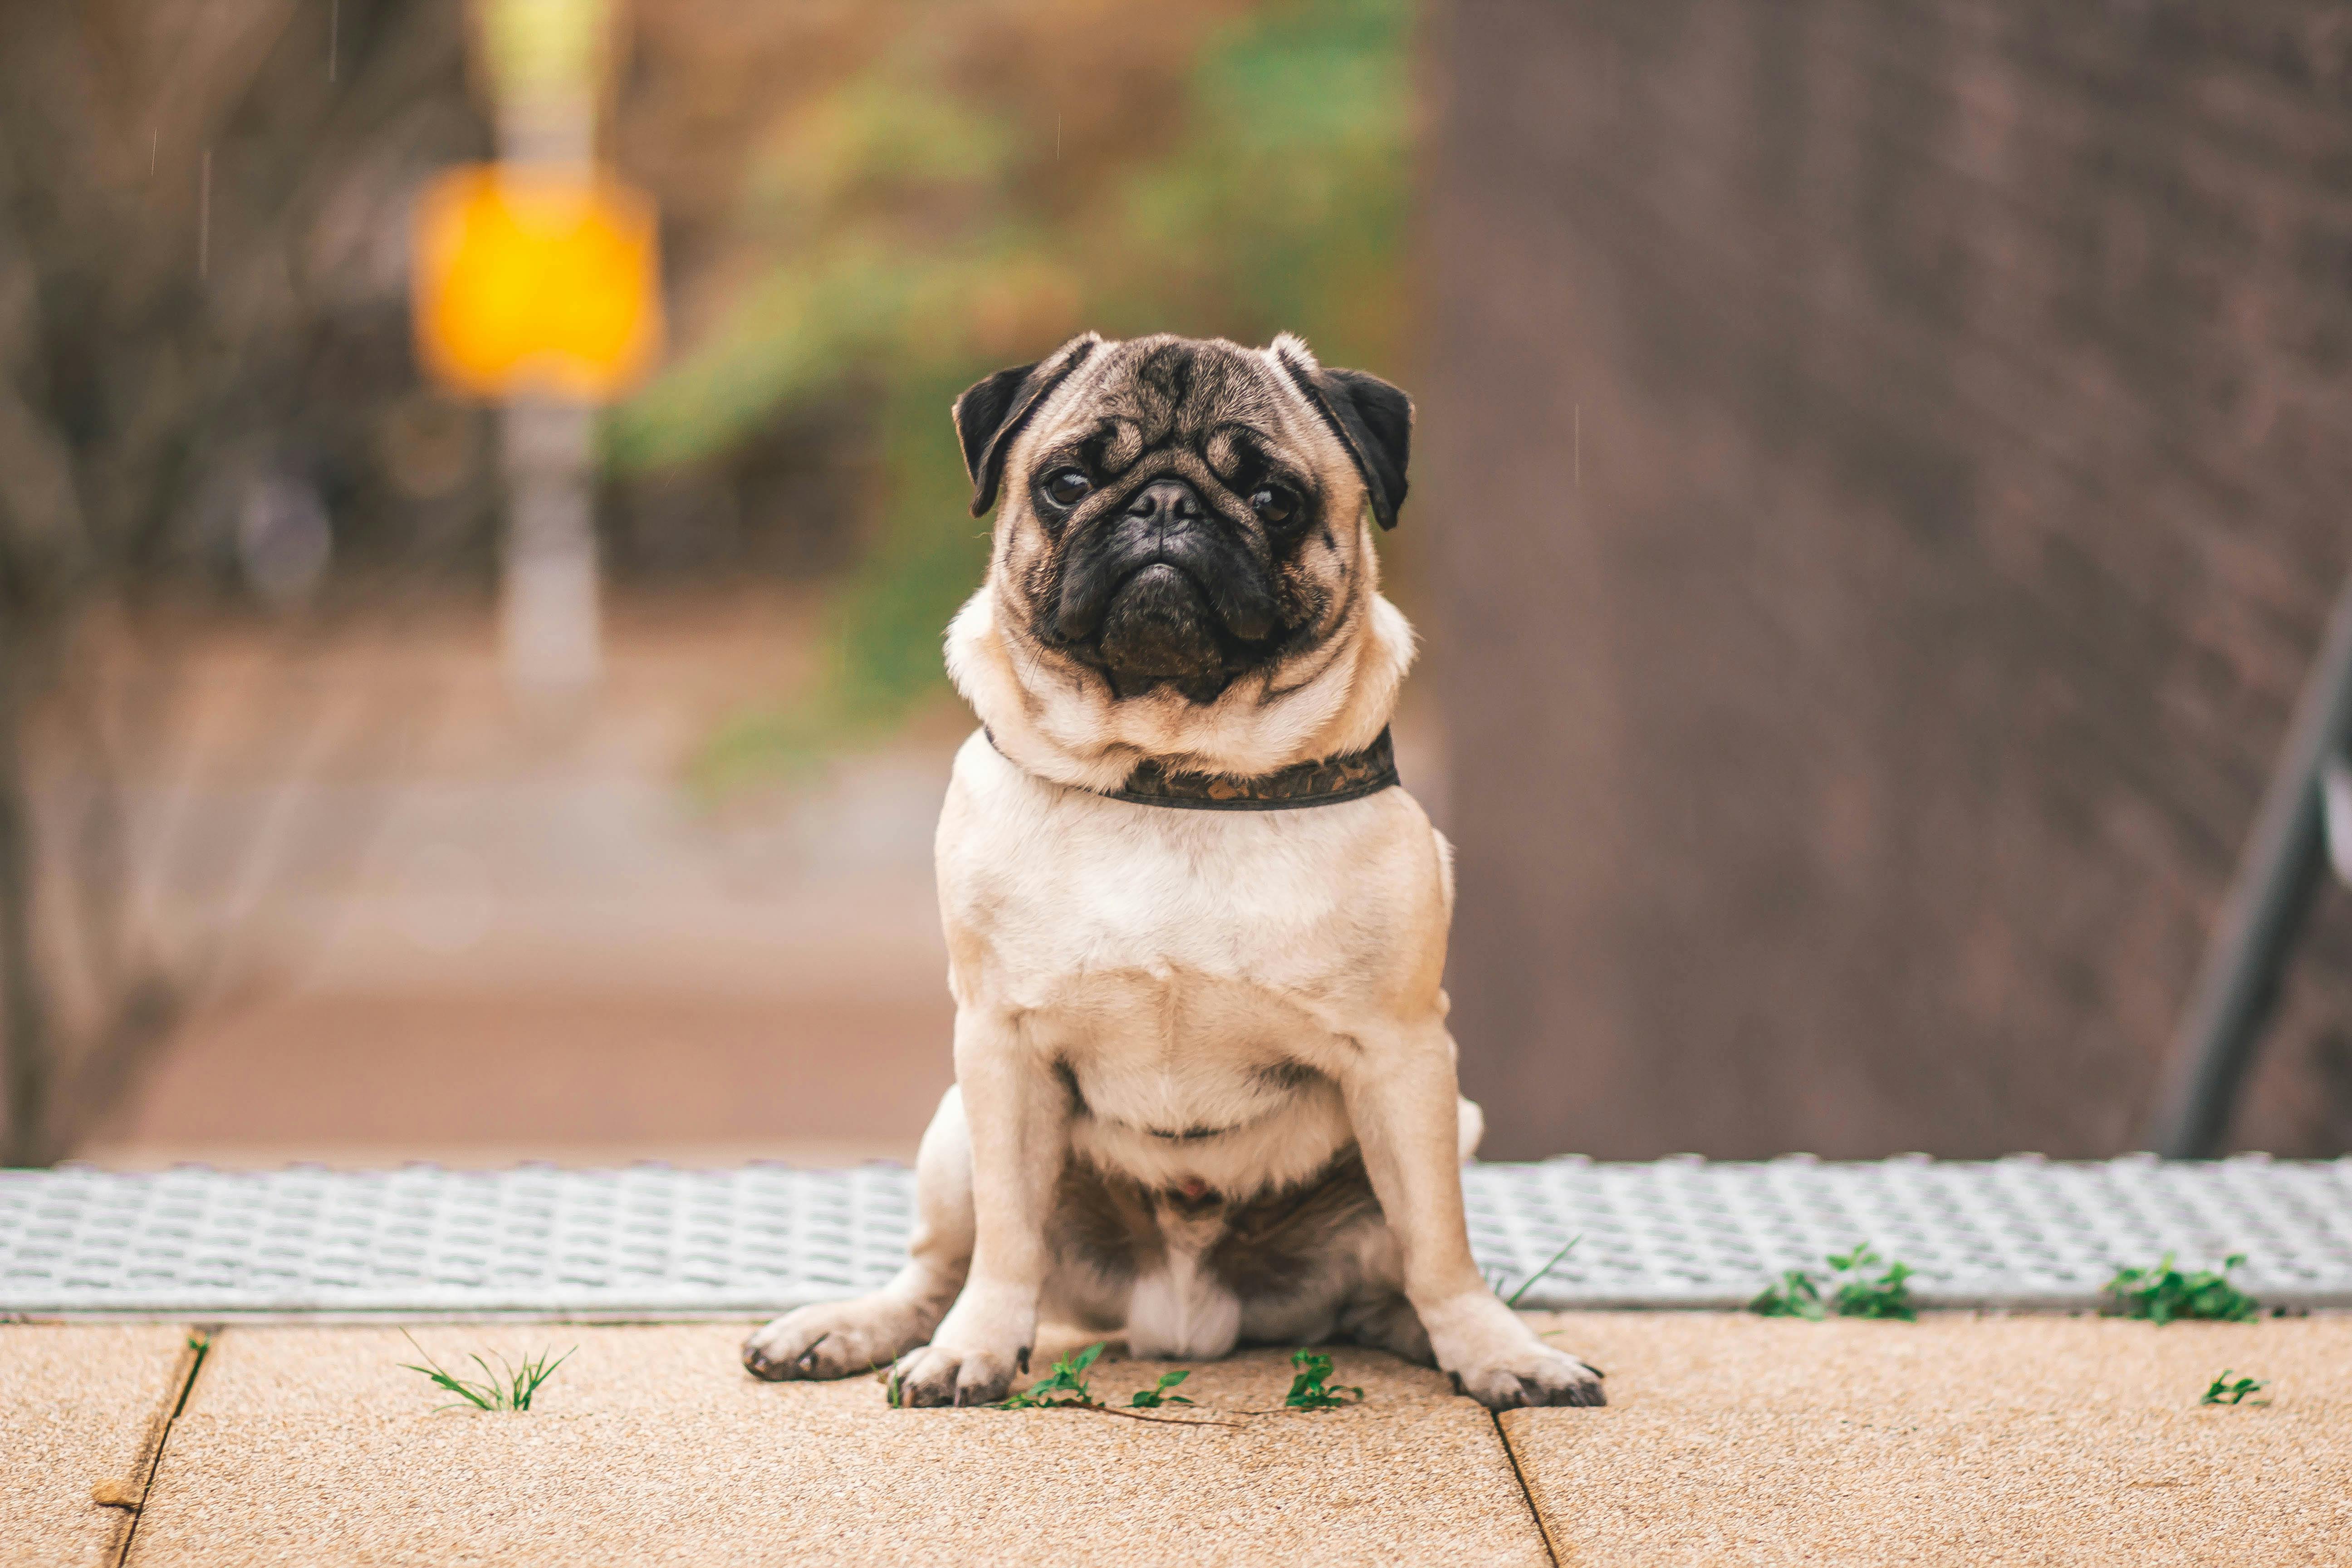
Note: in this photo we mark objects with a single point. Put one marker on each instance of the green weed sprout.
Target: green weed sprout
(1793, 1295)
(1312, 1388)
(1064, 1386)
(2162, 1293)
(2222, 1390)
(1861, 1284)
(1155, 1396)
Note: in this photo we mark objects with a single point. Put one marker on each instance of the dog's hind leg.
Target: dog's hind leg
(1389, 1324)
(1378, 1316)
(840, 1339)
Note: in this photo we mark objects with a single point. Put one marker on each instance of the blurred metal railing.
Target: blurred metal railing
(2302, 825)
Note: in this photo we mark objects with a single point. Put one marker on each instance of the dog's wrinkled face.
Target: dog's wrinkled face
(1178, 513)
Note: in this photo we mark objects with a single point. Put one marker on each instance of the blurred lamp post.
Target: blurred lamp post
(537, 285)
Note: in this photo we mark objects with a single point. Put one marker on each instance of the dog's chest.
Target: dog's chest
(1133, 937)
(1198, 920)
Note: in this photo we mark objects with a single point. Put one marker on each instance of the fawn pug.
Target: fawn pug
(1204, 1090)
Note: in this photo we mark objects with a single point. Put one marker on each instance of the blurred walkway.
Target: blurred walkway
(527, 937)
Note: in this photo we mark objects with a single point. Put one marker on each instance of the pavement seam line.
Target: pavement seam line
(199, 1346)
(1543, 1530)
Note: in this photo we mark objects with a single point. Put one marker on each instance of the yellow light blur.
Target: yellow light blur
(535, 281)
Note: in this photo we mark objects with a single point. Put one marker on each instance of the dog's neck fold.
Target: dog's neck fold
(1060, 721)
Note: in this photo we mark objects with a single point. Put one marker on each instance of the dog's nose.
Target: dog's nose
(1165, 501)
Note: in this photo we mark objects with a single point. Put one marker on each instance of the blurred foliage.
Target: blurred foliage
(975, 184)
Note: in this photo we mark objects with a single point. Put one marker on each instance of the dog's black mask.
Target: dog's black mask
(1177, 520)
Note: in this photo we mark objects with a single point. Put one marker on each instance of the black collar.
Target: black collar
(1325, 782)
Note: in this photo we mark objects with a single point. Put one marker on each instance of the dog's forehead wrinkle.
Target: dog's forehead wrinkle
(1168, 371)
(1182, 384)
(1224, 449)
(1122, 446)
(1225, 445)
(1233, 446)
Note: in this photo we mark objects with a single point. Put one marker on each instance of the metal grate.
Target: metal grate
(652, 1242)
(2020, 1232)
(645, 1241)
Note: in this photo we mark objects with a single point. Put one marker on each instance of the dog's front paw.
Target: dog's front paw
(836, 1338)
(937, 1374)
(1540, 1376)
(1496, 1360)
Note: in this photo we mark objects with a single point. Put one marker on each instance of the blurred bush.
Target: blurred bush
(939, 189)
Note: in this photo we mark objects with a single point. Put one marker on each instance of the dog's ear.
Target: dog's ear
(1372, 420)
(993, 410)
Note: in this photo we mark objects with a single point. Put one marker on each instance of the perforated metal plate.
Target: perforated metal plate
(653, 1242)
(645, 1241)
(2022, 1231)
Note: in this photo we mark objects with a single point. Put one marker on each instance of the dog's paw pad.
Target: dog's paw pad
(783, 1350)
(835, 1339)
(935, 1375)
(1554, 1379)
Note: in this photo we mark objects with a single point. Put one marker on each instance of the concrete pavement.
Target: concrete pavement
(1960, 1439)
(651, 1446)
(81, 1411)
(1956, 1440)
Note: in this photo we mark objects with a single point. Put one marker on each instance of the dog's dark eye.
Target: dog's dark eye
(1273, 504)
(1068, 486)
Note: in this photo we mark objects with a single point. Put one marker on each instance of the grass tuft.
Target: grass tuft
(1496, 1278)
(510, 1388)
(2222, 1390)
(1861, 1284)
(2163, 1293)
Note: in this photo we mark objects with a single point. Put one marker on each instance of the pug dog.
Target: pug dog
(1204, 1090)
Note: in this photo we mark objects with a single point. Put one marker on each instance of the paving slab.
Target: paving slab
(311, 1445)
(1958, 1439)
(80, 1408)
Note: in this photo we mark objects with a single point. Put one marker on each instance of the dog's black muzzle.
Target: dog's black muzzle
(1166, 589)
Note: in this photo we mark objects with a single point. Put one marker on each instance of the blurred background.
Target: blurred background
(1880, 485)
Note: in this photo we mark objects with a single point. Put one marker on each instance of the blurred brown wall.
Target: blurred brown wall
(1886, 469)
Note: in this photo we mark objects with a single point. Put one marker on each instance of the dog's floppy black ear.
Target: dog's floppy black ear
(992, 411)
(1372, 420)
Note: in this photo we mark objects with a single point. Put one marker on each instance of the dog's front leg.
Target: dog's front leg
(1018, 1117)
(1403, 1098)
